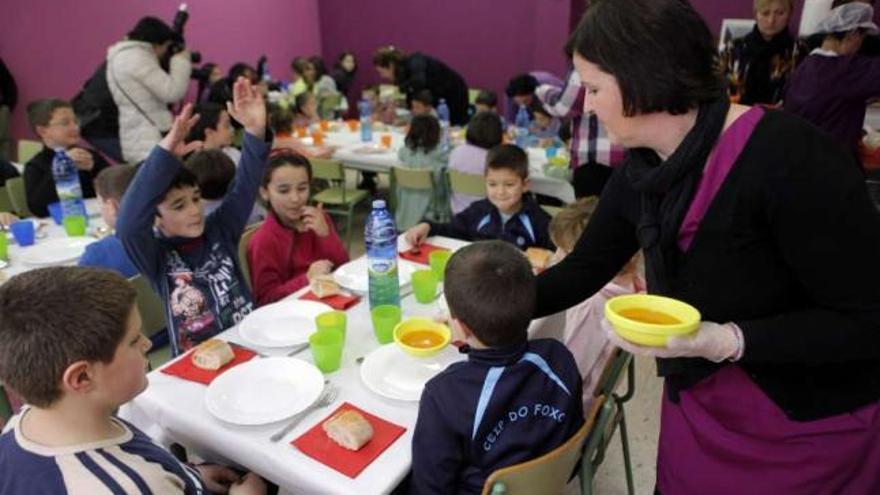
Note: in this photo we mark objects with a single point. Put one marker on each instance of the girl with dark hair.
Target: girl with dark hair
(344, 71)
(297, 242)
(422, 150)
(776, 392)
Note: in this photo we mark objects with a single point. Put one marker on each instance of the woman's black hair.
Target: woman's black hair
(660, 51)
(424, 133)
(485, 130)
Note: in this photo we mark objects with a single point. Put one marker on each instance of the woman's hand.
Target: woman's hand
(712, 341)
(313, 219)
(174, 141)
(417, 235)
(318, 268)
(248, 107)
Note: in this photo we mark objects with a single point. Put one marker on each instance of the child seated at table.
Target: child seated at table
(58, 128)
(297, 242)
(508, 214)
(484, 132)
(110, 185)
(422, 150)
(486, 101)
(513, 399)
(214, 130)
(544, 126)
(305, 111)
(76, 357)
(422, 103)
(281, 122)
(192, 260)
(383, 111)
(583, 333)
(214, 172)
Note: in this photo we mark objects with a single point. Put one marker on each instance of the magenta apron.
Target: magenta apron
(725, 436)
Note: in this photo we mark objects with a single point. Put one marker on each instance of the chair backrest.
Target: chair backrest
(242, 252)
(326, 169)
(612, 372)
(27, 148)
(18, 196)
(413, 178)
(151, 308)
(594, 448)
(5, 203)
(470, 184)
(551, 472)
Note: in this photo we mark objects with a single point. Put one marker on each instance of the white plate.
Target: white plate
(281, 324)
(56, 251)
(264, 390)
(392, 373)
(370, 149)
(353, 275)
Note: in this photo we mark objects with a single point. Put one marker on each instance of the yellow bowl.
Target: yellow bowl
(411, 325)
(651, 334)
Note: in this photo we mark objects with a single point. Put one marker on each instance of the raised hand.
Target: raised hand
(248, 107)
(173, 142)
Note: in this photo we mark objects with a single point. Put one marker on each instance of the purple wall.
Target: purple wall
(51, 51)
(487, 42)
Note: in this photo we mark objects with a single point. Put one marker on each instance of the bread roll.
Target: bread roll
(539, 257)
(349, 429)
(324, 286)
(212, 354)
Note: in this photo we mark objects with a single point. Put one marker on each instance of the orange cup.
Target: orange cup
(352, 125)
(386, 141)
(318, 138)
(301, 132)
(325, 126)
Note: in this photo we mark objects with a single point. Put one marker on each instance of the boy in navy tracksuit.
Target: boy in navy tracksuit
(508, 213)
(192, 263)
(513, 400)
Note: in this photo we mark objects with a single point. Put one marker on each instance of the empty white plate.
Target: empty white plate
(56, 251)
(264, 390)
(281, 324)
(353, 275)
(392, 373)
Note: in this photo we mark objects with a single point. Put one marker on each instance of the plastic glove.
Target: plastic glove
(712, 341)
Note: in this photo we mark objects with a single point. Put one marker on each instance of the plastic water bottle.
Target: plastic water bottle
(522, 127)
(380, 237)
(67, 184)
(443, 117)
(366, 120)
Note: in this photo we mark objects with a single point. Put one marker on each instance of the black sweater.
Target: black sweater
(787, 250)
(40, 184)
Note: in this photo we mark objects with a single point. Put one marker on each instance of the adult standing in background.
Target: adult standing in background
(759, 63)
(762, 223)
(8, 99)
(417, 71)
(520, 91)
(344, 71)
(142, 89)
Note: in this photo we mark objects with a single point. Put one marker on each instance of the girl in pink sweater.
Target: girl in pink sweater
(297, 242)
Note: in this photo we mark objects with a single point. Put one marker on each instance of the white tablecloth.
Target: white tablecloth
(172, 409)
(351, 153)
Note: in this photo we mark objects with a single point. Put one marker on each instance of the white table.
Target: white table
(172, 409)
(48, 230)
(350, 142)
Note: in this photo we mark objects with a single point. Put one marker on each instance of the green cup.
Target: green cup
(326, 348)
(385, 318)
(74, 225)
(438, 260)
(424, 284)
(331, 321)
(4, 246)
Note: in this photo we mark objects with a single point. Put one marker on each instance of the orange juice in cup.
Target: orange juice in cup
(352, 124)
(301, 132)
(318, 138)
(325, 126)
(386, 141)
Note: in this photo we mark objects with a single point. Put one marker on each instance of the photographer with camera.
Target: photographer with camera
(141, 89)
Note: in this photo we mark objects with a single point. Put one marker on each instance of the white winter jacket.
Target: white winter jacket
(133, 69)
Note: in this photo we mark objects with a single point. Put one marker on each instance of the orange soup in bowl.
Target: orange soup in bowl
(644, 315)
(422, 339)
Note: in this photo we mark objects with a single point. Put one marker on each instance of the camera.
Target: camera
(180, 19)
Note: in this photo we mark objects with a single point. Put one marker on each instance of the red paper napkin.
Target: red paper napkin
(184, 367)
(339, 302)
(424, 252)
(316, 444)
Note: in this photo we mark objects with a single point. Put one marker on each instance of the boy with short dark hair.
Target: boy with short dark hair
(214, 130)
(110, 186)
(513, 399)
(76, 358)
(508, 213)
(486, 101)
(57, 126)
(193, 261)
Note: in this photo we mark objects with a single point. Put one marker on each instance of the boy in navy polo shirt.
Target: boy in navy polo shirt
(508, 213)
(513, 399)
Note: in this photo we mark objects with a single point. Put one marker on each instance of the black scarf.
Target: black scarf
(667, 189)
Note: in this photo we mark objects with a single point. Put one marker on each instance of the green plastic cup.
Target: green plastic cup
(385, 318)
(424, 284)
(4, 247)
(74, 225)
(332, 321)
(438, 260)
(326, 348)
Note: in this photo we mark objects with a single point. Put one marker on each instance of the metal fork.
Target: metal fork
(325, 399)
